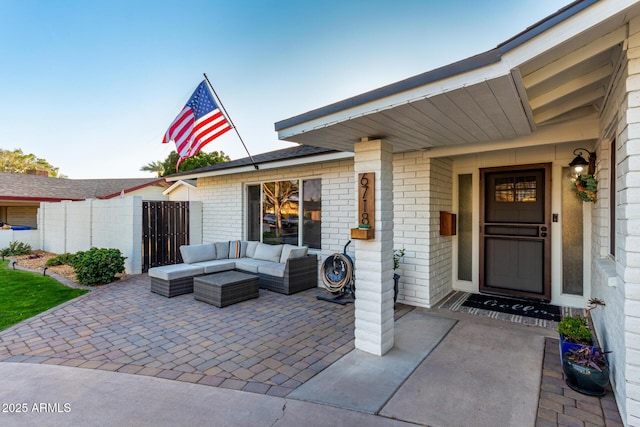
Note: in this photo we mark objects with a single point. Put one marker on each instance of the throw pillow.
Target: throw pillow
(237, 249)
(286, 250)
(298, 253)
(268, 252)
(251, 248)
(222, 250)
(198, 253)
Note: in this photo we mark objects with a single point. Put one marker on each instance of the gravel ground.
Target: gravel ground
(37, 260)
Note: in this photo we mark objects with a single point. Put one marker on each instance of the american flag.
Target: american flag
(199, 123)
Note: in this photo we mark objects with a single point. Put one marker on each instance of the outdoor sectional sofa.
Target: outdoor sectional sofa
(284, 268)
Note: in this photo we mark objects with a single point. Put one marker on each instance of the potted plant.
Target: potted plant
(574, 334)
(398, 254)
(587, 370)
(575, 331)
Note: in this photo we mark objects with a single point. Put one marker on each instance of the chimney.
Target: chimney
(37, 172)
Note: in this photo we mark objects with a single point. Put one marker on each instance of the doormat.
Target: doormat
(526, 308)
(455, 301)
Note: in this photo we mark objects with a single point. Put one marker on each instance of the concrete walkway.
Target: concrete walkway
(73, 365)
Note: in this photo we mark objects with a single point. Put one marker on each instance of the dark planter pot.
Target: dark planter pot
(396, 278)
(586, 380)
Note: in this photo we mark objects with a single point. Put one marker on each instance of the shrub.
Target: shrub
(16, 248)
(98, 266)
(65, 258)
(575, 329)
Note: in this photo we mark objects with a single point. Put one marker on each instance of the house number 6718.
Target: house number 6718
(366, 202)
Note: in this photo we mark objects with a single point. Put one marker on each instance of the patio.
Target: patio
(273, 345)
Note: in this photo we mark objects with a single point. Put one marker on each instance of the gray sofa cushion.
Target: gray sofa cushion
(251, 248)
(216, 265)
(175, 271)
(222, 250)
(268, 252)
(250, 265)
(272, 269)
(237, 249)
(196, 253)
(291, 251)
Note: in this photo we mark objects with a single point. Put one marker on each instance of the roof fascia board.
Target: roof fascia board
(409, 84)
(268, 166)
(137, 187)
(39, 199)
(544, 25)
(566, 29)
(454, 82)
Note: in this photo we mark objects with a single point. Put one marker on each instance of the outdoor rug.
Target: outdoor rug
(509, 309)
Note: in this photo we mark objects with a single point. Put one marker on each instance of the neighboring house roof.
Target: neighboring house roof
(555, 71)
(15, 186)
(298, 153)
(191, 183)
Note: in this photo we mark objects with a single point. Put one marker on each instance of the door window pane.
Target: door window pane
(464, 227)
(515, 189)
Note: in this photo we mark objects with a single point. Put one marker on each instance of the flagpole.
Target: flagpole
(230, 121)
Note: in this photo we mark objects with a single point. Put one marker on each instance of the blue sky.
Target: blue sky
(92, 86)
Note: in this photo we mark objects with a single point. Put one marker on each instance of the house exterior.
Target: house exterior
(21, 194)
(488, 139)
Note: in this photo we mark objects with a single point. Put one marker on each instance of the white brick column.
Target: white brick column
(374, 258)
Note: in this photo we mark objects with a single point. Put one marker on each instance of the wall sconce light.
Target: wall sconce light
(578, 163)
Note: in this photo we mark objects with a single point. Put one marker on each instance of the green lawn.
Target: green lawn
(24, 294)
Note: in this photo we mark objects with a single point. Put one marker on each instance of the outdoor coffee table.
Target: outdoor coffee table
(222, 289)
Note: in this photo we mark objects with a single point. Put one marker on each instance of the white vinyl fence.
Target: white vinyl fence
(78, 226)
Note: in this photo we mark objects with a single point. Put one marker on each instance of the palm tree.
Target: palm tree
(156, 167)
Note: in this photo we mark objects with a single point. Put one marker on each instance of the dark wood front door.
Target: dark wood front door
(515, 232)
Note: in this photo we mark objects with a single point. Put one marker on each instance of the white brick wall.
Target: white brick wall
(618, 282)
(422, 188)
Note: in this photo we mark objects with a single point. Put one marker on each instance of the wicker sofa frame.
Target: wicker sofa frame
(299, 274)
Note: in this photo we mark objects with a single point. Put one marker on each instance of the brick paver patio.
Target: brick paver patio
(560, 406)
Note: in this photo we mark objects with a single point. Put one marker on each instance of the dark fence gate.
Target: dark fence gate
(165, 226)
